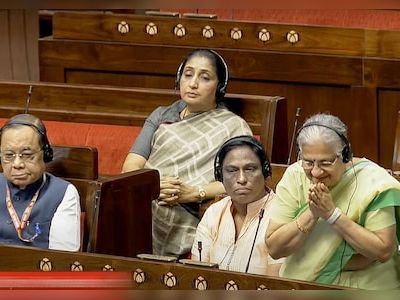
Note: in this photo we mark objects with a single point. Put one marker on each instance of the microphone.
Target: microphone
(200, 248)
(293, 134)
(260, 216)
(28, 100)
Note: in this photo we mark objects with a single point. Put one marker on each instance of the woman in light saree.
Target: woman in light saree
(336, 216)
(181, 141)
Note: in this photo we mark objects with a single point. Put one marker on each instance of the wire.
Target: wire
(347, 210)
(260, 216)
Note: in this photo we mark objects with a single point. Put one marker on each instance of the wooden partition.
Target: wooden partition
(352, 73)
(146, 275)
(118, 212)
(129, 106)
(74, 162)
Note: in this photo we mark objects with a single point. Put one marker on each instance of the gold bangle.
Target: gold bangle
(301, 228)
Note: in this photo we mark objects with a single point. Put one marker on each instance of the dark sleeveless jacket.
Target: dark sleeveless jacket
(50, 197)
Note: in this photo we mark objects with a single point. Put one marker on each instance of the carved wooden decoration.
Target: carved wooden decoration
(108, 268)
(262, 287)
(292, 37)
(180, 30)
(76, 267)
(169, 280)
(151, 29)
(236, 33)
(231, 286)
(200, 283)
(208, 32)
(139, 276)
(264, 35)
(45, 265)
(123, 27)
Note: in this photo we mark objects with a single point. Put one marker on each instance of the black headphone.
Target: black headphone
(222, 84)
(347, 153)
(47, 150)
(242, 140)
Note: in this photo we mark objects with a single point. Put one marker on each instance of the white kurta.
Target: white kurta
(216, 231)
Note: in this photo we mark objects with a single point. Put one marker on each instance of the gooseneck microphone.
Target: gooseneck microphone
(260, 216)
(28, 100)
(293, 134)
(200, 248)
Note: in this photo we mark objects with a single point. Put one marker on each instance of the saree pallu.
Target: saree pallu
(187, 149)
(363, 189)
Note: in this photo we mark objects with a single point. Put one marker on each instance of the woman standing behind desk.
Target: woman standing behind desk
(181, 141)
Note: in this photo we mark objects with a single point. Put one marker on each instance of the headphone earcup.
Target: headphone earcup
(267, 171)
(220, 92)
(47, 153)
(179, 75)
(347, 154)
(217, 168)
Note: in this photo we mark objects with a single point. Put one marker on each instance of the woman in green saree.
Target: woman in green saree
(335, 215)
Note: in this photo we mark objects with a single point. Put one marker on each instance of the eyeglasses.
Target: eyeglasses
(26, 156)
(326, 165)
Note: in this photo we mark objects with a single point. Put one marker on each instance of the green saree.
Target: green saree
(367, 194)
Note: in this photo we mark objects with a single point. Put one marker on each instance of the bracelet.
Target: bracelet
(334, 216)
(301, 228)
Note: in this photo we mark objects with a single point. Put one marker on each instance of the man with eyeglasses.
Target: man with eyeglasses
(36, 208)
(334, 217)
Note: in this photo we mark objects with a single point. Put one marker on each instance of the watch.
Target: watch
(202, 194)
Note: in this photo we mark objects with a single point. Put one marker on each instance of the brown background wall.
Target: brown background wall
(19, 33)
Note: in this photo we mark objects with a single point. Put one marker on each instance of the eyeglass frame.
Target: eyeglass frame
(14, 155)
(320, 163)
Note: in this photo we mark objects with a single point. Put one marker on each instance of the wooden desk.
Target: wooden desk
(146, 275)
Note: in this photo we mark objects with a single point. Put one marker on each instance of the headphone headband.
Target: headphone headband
(347, 153)
(238, 141)
(47, 150)
(222, 84)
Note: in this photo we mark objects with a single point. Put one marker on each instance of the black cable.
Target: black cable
(260, 216)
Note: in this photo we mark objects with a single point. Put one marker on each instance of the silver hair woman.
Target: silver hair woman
(308, 133)
(334, 217)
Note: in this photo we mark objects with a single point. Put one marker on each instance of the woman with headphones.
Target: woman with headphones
(335, 216)
(231, 232)
(181, 141)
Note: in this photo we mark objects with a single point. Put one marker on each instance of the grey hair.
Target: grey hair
(312, 133)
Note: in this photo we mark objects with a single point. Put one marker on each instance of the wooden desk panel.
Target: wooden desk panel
(146, 275)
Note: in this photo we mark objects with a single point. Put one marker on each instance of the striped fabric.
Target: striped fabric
(187, 149)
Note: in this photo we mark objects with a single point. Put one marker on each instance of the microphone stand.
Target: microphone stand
(294, 134)
(28, 100)
(260, 216)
